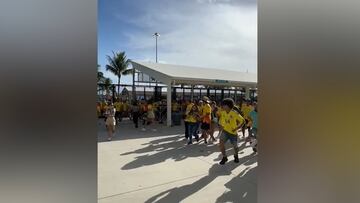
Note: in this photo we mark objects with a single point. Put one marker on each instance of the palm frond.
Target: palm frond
(127, 72)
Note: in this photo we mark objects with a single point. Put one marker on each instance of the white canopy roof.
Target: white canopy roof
(179, 74)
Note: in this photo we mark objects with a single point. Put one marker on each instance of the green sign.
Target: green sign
(221, 81)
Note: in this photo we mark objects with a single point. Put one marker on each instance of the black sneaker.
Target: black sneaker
(223, 160)
(189, 143)
(236, 159)
(197, 139)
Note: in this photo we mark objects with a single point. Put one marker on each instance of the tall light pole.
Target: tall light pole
(156, 34)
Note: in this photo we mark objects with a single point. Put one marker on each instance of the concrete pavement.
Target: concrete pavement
(159, 167)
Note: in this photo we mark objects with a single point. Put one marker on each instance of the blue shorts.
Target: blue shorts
(225, 136)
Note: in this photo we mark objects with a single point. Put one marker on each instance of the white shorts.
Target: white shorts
(110, 121)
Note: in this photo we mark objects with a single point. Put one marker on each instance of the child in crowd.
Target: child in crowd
(232, 121)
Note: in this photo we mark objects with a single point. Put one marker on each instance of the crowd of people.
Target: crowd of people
(145, 112)
(202, 119)
(228, 118)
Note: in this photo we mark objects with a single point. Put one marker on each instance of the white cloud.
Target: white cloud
(218, 34)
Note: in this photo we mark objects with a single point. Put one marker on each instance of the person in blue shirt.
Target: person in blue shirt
(254, 120)
(254, 127)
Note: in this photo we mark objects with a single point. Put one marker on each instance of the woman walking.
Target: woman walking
(110, 120)
(192, 118)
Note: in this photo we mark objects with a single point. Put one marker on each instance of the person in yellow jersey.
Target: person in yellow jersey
(192, 117)
(189, 105)
(174, 106)
(231, 122)
(98, 109)
(117, 106)
(102, 109)
(200, 106)
(246, 108)
(206, 119)
(150, 114)
(220, 116)
(104, 106)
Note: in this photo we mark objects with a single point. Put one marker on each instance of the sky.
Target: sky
(206, 33)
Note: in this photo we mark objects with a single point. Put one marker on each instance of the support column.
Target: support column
(208, 92)
(222, 94)
(235, 97)
(133, 84)
(183, 92)
(192, 92)
(168, 105)
(247, 93)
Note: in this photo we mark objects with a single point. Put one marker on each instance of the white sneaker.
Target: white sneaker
(154, 130)
(109, 139)
(143, 129)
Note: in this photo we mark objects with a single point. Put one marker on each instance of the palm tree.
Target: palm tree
(118, 66)
(107, 85)
(100, 75)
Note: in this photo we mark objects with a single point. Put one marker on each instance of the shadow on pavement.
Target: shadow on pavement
(178, 194)
(126, 130)
(168, 148)
(239, 192)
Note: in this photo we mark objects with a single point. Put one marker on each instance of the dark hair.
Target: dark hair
(228, 102)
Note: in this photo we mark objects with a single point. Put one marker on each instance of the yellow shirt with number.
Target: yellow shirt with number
(189, 118)
(231, 121)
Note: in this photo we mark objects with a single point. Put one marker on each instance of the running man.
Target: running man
(231, 122)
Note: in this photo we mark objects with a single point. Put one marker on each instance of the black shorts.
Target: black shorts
(205, 126)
